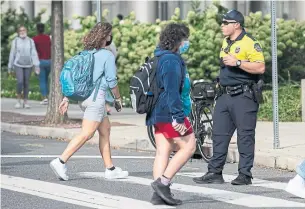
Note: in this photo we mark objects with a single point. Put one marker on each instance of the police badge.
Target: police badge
(237, 50)
(257, 47)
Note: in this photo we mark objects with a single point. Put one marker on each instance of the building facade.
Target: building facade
(149, 11)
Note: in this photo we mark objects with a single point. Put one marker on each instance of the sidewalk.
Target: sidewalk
(290, 154)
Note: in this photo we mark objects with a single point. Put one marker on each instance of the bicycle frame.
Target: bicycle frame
(197, 108)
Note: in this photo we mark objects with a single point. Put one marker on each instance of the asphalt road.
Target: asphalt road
(27, 181)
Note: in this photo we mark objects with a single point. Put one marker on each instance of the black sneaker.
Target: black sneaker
(209, 178)
(165, 193)
(156, 200)
(242, 179)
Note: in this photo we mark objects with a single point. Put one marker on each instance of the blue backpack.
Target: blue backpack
(76, 77)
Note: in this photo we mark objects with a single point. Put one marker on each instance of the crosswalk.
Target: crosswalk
(62, 192)
(69, 194)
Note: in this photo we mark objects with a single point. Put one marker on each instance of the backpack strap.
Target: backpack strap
(31, 49)
(15, 49)
(97, 86)
(31, 46)
(183, 69)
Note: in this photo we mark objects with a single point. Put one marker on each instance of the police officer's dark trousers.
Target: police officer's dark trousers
(231, 113)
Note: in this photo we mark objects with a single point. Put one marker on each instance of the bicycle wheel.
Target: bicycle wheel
(204, 141)
(151, 135)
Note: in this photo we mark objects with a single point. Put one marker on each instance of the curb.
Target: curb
(265, 159)
(119, 141)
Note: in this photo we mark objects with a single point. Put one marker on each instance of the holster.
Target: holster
(258, 91)
(218, 92)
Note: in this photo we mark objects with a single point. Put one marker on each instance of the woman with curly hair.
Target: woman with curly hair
(168, 117)
(95, 116)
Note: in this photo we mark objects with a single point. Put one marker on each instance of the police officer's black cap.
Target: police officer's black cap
(234, 15)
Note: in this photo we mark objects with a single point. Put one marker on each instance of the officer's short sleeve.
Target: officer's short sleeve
(255, 53)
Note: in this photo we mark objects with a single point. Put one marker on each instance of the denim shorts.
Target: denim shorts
(94, 110)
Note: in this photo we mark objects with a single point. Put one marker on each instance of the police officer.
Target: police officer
(242, 63)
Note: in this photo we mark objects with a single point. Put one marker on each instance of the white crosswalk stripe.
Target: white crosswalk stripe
(93, 199)
(72, 195)
(235, 198)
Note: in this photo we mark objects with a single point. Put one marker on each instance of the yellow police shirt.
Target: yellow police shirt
(244, 48)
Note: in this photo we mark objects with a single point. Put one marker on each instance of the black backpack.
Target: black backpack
(144, 90)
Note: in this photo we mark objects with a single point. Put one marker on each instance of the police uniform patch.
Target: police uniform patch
(237, 50)
(257, 47)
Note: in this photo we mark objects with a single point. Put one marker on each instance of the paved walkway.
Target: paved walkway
(290, 153)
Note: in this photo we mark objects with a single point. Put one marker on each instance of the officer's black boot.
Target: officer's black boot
(242, 179)
(156, 200)
(164, 192)
(209, 178)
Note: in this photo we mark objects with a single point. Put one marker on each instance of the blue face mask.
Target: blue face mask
(184, 47)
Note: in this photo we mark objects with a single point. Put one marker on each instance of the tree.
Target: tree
(53, 115)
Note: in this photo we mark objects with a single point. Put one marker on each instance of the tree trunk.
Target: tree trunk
(55, 97)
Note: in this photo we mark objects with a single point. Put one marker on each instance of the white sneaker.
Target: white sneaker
(59, 169)
(44, 102)
(296, 186)
(117, 173)
(18, 105)
(27, 106)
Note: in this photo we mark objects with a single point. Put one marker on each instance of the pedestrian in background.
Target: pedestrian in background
(43, 46)
(171, 124)
(237, 100)
(23, 57)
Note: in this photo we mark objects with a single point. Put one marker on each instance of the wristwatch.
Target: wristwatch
(238, 63)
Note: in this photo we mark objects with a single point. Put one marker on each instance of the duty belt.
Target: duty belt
(235, 90)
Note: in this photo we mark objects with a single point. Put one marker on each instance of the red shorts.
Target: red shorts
(169, 132)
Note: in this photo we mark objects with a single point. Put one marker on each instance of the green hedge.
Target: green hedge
(290, 107)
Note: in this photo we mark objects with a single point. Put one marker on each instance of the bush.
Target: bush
(290, 108)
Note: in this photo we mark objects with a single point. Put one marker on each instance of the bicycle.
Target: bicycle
(202, 96)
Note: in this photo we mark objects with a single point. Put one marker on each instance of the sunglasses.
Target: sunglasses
(227, 23)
